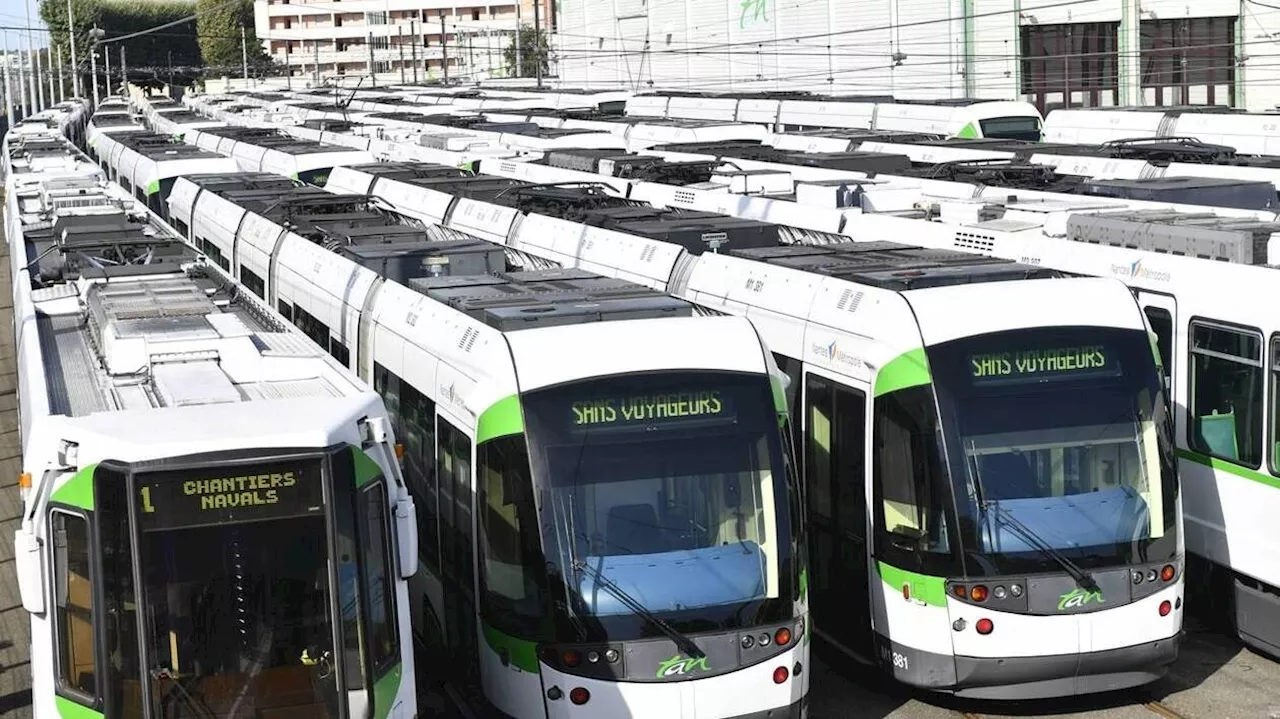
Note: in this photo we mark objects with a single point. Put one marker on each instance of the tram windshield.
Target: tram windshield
(1062, 434)
(235, 605)
(669, 487)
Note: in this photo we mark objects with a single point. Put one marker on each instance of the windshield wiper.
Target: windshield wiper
(684, 643)
(1083, 578)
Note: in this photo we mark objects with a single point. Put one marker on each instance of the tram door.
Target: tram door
(835, 477)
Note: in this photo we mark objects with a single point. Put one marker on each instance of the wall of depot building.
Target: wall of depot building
(1092, 53)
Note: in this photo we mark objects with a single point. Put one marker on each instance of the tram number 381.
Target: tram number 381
(899, 661)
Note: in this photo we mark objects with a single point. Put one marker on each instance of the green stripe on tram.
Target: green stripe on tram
(502, 418)
(68, 709)
(77, 491)
(521, 653)
(1222, 465)
(385, 691)
(909, 369)
(968, 132)
(930, 590)
(152, 187)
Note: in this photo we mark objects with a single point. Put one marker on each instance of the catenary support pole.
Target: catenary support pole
(537, 42)
(93, 70)
(8, 87)
(244, 56)
(444, 48)
(75, 65)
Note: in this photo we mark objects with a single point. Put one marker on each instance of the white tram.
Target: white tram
(214, 521)
(610, 523)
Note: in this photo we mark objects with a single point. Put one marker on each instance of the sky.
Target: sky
(13, 14)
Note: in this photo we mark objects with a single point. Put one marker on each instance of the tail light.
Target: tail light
(780, 675)
(1165, 608)
(579, 696)
(984, 626)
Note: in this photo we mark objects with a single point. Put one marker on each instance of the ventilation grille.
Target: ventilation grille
(849, 300)
(684, 197)
(799, 236)
(468, 339)
(647, 254)
(985, 244)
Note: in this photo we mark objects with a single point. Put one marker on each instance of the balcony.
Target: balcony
(361, 56)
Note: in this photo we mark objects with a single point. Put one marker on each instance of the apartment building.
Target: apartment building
(419, 37)
(1077, 53)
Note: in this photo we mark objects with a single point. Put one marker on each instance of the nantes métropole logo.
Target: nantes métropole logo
(1077, 598)
(680, 665)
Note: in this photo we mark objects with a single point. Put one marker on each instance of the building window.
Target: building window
(1179, 55)
(1070, 64)
(475, 13)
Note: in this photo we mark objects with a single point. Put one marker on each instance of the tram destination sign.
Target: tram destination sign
(1043, 365)
(658, 411)
(218, 495)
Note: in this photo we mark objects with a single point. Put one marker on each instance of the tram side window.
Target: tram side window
(512, 568)
(384, 644)
(253, 282)
(77, 667)
(1226, 393)
(909, 478)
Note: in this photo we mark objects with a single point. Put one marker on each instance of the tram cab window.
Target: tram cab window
(413, 417)
(378, 586)
(512, 571)
(1226, 393)
(74, 590)
(909, 476)
(1162, 324)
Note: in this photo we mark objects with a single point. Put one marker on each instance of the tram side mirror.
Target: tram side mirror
(27, 556)
(407, 537)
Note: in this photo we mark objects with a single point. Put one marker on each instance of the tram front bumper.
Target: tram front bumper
(798, 710)
(1064, 675)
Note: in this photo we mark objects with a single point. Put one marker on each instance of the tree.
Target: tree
(534, 50)
(219, 27)
(148, 55)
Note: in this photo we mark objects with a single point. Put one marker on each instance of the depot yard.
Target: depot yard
(1214, 678)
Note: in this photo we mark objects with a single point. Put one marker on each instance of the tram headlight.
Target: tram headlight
(748, 641)
(1137, 576)
(593, 657)
(999, 592)
(1153, 575)
(1015, 590)
(611, 656)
